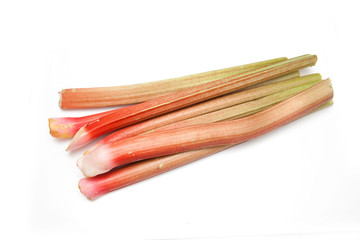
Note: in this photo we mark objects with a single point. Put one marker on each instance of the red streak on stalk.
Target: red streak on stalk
(173, 141)
(136, 113)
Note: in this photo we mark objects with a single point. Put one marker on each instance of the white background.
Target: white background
(298, 182)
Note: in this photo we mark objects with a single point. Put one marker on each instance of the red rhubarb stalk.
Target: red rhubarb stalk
(207, 107)
(129, 115)
(136, 93)
(162, 143)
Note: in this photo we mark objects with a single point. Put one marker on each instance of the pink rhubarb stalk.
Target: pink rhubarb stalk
(162, 143)
(129, 115)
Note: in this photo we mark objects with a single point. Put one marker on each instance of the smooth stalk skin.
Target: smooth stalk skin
(201, 136)
(129, 115)
(94, 187)
(68, 126)
(209, 106)
(136, 93)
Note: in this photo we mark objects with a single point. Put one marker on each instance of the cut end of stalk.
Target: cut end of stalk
(64, 98)
(92, 164)
(80, 165)
(87, 189)
(59, 129)
(60, 98)
(329, 84)
(76, 141)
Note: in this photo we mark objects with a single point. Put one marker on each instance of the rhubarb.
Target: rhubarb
(208, 135)
(129, 115)
(112, 96)
(233, 112)
(94, 187)
(207, 107)
(239, 110)
(68, 126)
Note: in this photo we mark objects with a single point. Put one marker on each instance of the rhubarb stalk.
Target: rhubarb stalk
(201, 136)
(94, 187)
(239, 110)
(233, 112)
(112, 96)
(136, 113)
(207, 107)
(68, 126)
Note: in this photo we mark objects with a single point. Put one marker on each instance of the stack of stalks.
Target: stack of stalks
(177, 121)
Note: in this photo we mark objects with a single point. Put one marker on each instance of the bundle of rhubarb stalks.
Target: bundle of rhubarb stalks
(176, 121)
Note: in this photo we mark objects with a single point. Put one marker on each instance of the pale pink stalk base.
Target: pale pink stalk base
(168, 142)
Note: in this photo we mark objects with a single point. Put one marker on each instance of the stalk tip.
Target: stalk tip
(85, 188)
(59, 130)
(93, 163)
(76, 140)
(51, 129)
(60, 98)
